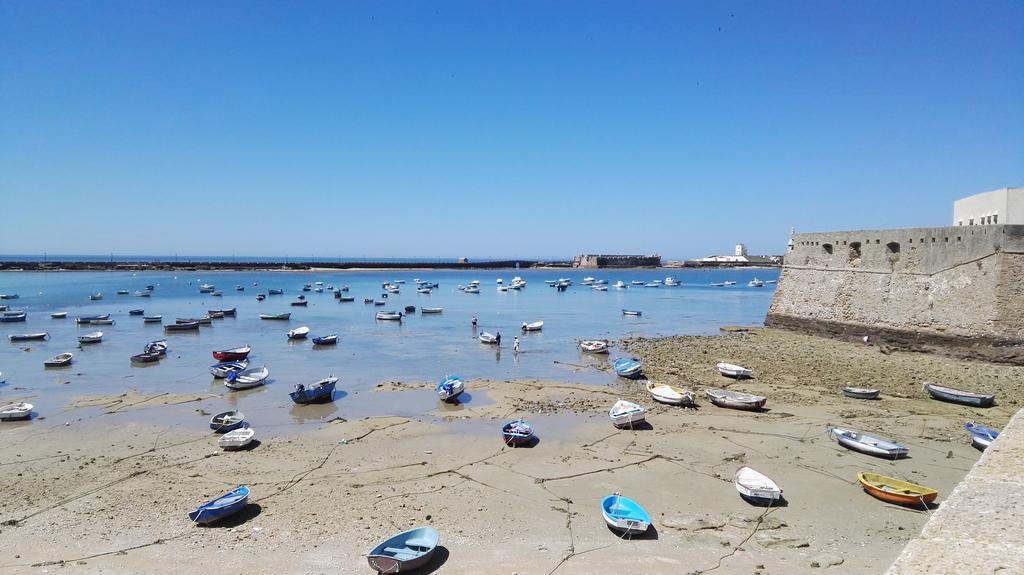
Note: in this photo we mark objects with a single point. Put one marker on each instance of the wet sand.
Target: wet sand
(104, 493)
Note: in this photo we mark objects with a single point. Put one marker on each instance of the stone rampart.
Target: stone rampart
(955, 290)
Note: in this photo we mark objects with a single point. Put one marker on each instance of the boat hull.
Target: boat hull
(224, 506)
(895, 491)
(958, 396)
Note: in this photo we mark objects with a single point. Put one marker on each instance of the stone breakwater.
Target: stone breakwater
(958, 291)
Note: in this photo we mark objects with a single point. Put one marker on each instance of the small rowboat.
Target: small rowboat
(221, 370)
(981, 436)
(326, 340)
(735, 371)
(632, 312)
(425, 310)
(94, 337)
(236, 439)
(275, 291)
(535, 326)
(959, 396)
(189, 326)
(152, 319)
(320, 391)
(228, 504)
(346, 298)
(594, 346)
(143, 294)
(28, 336)
(206, 320)
(379, 302)
(299, 303)
(368, 300)
(488, 338)
(628, 368)
(410, 309)
(450, 387)
(235, 354)
(148, 357)
(669, 395)
(736, 399)
(389, 316)
(404, 552)
(136, 312)
(279, 316)
(624, 515)
(59, 314)
(16, 411)
(13, 316)
(756, 487)
(106, 321)
(245, 379)
(158, 346)
(626, 413)
(868, 443)
(260, 297)
(59, 360)
(298, 333)
(517, 432)
(87, 319)
(860, 393)
(122, 292)
(224, 312)
(215, 314)
(96, 296)
(893, 490)
(227, 421)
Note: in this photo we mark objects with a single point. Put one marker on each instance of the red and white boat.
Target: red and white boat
(237, 354)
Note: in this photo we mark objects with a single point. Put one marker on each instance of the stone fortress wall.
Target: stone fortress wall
(957, 290)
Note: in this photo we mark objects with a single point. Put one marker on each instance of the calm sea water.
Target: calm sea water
(420, 348)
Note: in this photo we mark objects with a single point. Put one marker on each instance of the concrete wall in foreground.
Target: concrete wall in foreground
(955, 290)
(979, 527)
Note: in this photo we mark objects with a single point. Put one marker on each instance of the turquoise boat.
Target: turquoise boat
(404, 552)
(623, 514)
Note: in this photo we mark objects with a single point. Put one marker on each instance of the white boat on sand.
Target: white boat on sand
(669, 394)
(626, 413)
(756, 487)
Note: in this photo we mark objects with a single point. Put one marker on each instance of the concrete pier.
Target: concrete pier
(979, 527)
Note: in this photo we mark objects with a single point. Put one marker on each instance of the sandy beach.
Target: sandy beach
(87, 493)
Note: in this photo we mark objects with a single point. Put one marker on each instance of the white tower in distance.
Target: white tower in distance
(741, 250)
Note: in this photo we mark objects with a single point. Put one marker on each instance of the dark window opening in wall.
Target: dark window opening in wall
(877, 242)
(995, 219)
(922, 240)
(911, 240)
(892, 248)
(933, 240)
(854, 251)
(958, 238)
(945, 240)
(827, 248)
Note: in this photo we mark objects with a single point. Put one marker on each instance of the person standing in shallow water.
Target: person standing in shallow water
(497, 338)
(473, 321)
(515, 345)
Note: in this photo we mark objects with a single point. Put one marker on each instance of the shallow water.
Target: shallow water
(420, 348)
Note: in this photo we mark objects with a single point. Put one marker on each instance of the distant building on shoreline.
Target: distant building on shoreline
(739, 257)
(956, 290)
(615, 261)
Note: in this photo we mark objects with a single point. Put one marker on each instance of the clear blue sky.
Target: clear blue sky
(528, 129)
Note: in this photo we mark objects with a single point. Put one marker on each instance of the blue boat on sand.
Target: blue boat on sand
(450, 387)
(404, 552)
(981, 436)
(623, 514)
(320, 391)
(628, 368)
(228, 504)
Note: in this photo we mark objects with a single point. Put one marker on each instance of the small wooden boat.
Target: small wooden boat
(326, 340)
(279, 316)
(142, 294)
(245, 379)
(88, 319)
(404, 552)
(449, 388)
(299, 303)
(102, 322)
(28, 336)
(755, 283)
(628, 368)
(122, 292)
(215, 314)
(471, 289)
(488, 338)
(16, 411)
(516, 433)
(150, 287)
(234, 354)
(228, 504)
(298, 333)
(410, 309)
(239, 288)
(736, 399)
(670, 395)
(869, 444)
(626, 413)
(594, 346)
(147, 357)
(94, 337)
(227, 421)
(389, 316)
(378, 302)
(13, 316)
(756, 487)
(734, 371)
(9, 296)
(275, 291)
(207, 288)
(535, 326)
(893, 490)
(236, 439)
(96, 296)
(320, 391)
(860, 393)
(632, 312)
(136, 312)
(346, 299)
(206, 320)
(260, 297)
(217, 293)
(624, 515)
(223, 312)
(959, 396)
(152, 319)
(59, 314)
(59, 360)
(158, 346)
(222, 369)
(981, 436)
(176, 327)
(367, 300)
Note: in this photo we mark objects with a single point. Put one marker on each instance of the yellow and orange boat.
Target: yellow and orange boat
(893, 490)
